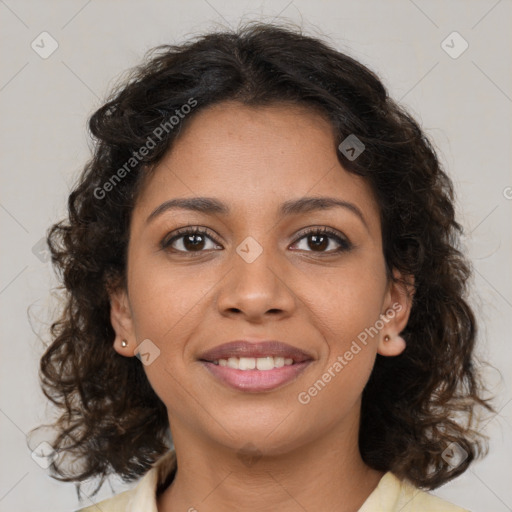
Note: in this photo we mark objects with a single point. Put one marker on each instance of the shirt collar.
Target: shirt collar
(144, 496)
(386, 496)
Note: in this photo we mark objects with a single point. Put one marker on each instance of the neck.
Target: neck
(327, 474)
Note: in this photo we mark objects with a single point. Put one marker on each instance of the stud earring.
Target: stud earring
(387, 338)
(124, 343)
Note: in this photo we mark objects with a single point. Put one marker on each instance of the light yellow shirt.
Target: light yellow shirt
(390, 495)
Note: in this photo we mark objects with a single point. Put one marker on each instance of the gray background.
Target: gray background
(464, 105)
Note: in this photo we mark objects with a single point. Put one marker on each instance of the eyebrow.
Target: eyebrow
(212, 206)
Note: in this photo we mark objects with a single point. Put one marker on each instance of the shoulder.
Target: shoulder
(118, 503)
(416, 500)
(143, 496)
(392, 495)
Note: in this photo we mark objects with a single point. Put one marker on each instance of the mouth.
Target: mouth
(255, 366)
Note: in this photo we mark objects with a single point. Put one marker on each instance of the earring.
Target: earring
(124, 343)
(387, 338)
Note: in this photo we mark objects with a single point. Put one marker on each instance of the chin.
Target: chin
(263, 440)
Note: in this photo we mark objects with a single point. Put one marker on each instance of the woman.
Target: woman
(263, 290)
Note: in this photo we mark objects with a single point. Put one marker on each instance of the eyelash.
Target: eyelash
(344, 244)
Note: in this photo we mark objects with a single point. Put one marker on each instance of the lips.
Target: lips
(256, 349)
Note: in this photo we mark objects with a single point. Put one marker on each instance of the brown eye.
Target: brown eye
(318, 242)
(189, 241)
(323, 241)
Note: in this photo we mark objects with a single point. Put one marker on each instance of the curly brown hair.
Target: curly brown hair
(413, 405)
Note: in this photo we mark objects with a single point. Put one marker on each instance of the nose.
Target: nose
(256, 290)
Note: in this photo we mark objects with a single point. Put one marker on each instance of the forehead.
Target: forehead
(254, 158)
(274, 137)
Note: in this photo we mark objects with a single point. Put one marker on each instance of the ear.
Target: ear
(397, 308)
(122, 323)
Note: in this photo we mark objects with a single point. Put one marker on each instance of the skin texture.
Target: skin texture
(253, 159)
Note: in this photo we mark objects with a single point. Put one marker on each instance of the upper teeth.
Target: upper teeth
(251, 363)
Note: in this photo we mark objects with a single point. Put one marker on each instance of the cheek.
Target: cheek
(168, 308)
(166, 301)
(345, 308)
(347, 303)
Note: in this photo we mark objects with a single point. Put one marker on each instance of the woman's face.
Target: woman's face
(255, 274)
